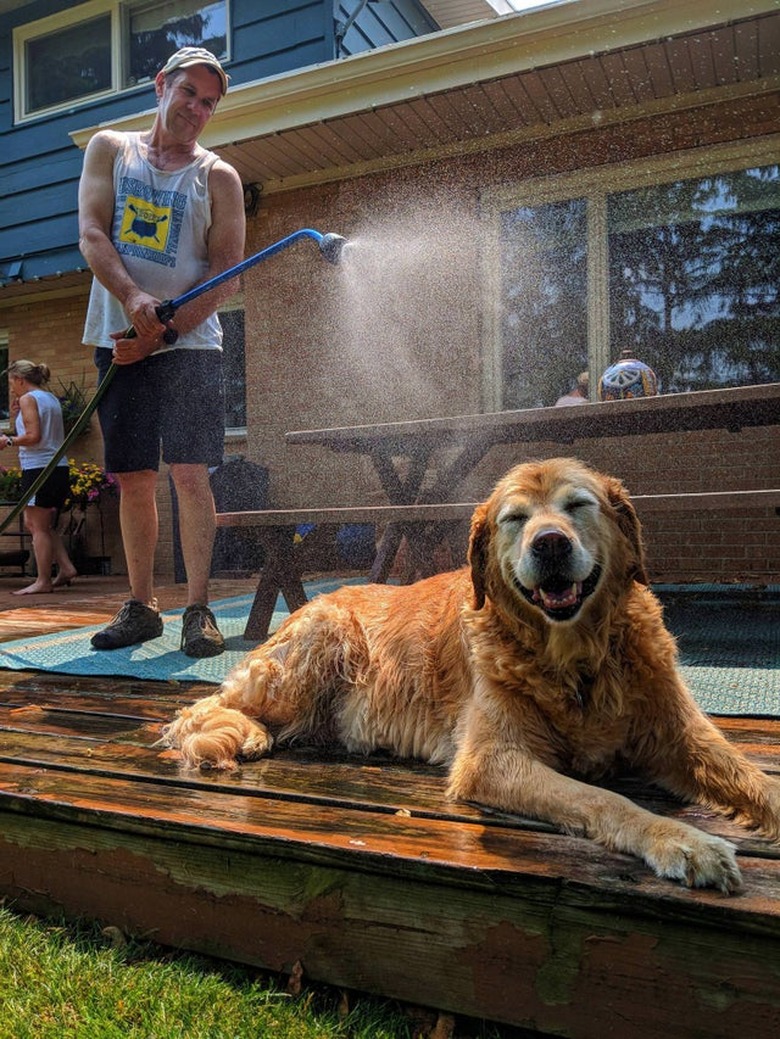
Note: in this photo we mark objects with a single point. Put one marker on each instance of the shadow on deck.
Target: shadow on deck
(362, 873)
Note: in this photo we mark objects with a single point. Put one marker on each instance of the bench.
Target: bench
(424, 525)
(15, 557)
(275, 530)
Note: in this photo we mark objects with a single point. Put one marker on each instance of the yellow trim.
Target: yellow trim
(64, 19)
(67, 18)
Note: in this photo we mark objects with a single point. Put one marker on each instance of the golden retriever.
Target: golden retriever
(541, 665)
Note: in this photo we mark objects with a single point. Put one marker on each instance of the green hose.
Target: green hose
(76, 429)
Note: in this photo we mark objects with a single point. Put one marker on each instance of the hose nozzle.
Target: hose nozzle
(332, 246)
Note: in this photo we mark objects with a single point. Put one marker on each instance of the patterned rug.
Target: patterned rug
(729, 647)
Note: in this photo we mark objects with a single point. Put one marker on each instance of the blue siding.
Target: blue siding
(379, 23)
(40, 166)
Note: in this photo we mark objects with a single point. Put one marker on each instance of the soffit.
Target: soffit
(448, 13)
(489, 84)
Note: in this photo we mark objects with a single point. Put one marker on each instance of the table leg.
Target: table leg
(280, 573)
(399, 491)
(386, 551)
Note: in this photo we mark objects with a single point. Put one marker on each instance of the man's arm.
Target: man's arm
(225, 246)
(96, 214)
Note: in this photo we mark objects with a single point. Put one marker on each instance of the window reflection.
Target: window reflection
(69, 64)
(693, 279)
(234, 367)
(544, 323)
(692, 286)
(157, 30)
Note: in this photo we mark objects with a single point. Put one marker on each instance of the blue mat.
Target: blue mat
(70, 652)
(729, 649)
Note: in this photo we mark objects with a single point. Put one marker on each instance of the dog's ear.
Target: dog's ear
(479, 543)
(630, 527)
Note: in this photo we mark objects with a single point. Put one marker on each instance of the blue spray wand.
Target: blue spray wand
(331, 247)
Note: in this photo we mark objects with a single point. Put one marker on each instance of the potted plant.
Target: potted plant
(73, 401)
(90, 487)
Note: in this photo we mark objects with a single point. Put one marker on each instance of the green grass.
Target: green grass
(60, 981)
(74, 981)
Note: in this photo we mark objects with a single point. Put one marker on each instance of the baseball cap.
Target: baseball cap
(188, 56)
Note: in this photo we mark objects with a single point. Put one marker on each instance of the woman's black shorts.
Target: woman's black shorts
(55, 490)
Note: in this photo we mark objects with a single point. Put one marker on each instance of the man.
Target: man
(159, 214)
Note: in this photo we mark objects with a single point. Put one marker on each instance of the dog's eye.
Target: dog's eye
(578, 503)
(515, 517)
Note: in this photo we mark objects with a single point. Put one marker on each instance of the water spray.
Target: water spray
(331, 247)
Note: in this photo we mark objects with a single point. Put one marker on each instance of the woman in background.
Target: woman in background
(39, 434)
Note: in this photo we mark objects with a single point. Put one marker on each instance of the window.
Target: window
(679, 267)
(694, 276)
(234, 367)
(104, 46)
(544, 289)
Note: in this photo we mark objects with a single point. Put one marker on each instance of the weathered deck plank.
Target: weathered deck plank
(363, 872)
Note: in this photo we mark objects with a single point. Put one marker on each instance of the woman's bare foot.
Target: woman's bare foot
(36, 588)
(64, 578)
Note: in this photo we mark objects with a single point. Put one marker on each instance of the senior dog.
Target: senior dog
(541, 666)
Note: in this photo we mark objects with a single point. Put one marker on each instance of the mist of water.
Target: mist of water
(405, 305)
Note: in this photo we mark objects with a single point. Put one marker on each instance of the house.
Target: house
(530, 194)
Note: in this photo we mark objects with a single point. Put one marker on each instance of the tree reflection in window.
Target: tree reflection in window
(234, 367)
(67, 65)
(694, 275)
(156, 30)
(544, 286)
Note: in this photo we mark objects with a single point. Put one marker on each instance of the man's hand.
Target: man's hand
(129, 351)
(141, 308)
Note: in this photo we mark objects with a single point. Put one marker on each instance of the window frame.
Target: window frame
(595, 186)
(236, 303)
(5, 419)
(69, 18)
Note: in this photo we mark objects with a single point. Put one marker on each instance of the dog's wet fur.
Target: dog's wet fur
(540, 667)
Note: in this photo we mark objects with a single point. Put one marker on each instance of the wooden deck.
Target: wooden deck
(362, 873)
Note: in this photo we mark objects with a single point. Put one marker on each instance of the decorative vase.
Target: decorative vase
(626, 379)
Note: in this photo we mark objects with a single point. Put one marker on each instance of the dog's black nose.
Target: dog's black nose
(551, 546)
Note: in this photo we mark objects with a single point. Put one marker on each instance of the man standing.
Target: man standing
(158, 215)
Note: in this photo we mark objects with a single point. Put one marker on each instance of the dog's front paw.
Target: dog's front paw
(696, 859)
(211, 736)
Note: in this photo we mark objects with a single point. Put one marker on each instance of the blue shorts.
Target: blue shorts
(55, 490)
(174, 401)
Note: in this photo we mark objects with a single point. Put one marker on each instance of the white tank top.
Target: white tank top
(52, 432)
(160, 230)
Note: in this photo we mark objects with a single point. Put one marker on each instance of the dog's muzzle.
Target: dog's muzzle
(556, 593)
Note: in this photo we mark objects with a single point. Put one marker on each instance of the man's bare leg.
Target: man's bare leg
(140, 529)
(197, 526)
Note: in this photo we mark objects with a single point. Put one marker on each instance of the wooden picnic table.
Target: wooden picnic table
(446, 450)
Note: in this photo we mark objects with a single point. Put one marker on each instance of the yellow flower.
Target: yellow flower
(89, 482)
